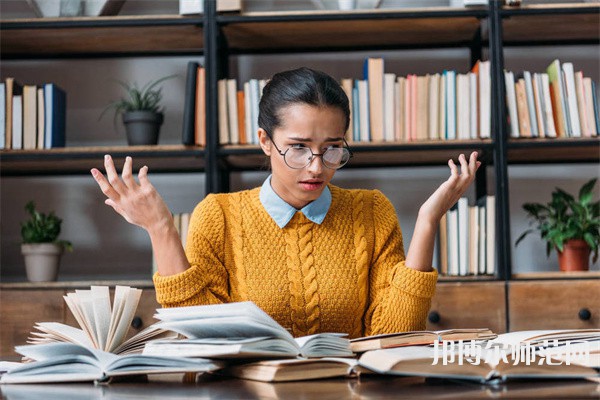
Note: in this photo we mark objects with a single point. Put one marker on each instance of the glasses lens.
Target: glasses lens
(297, 157)
(336, 157)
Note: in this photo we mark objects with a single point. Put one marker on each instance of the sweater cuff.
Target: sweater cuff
(414, 282)
(179, 287)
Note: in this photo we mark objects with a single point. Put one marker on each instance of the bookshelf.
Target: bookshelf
(218, 37)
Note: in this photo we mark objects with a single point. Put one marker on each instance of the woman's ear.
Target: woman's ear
(265, 141)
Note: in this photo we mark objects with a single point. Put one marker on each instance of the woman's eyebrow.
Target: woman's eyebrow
(306, 140)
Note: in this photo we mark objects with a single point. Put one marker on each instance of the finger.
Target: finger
(473, 163)
(464, 167)
(143, 176)
(453, 167)
(127, 173)
(106, 188)
(113, 177)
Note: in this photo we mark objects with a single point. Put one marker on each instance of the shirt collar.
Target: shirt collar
(282, 212)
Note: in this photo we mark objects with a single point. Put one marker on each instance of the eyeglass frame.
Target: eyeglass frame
(312, 155)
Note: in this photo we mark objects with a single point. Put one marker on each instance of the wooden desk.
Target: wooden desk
(334, 389)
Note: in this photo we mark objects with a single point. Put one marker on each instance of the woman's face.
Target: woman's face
(303, 125)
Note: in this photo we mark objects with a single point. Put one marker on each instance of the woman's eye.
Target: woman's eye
(297, 146)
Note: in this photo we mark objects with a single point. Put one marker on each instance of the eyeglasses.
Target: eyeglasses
(301, 157)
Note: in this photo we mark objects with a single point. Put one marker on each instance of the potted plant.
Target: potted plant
(569, 225)
(40, 248)
(141, 111)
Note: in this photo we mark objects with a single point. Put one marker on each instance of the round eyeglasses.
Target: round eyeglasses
(301, 157)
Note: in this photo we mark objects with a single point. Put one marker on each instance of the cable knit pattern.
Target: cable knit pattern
(360, 243)
(297, 302)
(345, 275)
(237, 248)
(309, 282)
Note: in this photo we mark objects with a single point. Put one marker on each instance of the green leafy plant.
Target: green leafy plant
(146, 98)
(42, 228)
(566, 218)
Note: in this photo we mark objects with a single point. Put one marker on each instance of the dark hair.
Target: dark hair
(302, 85)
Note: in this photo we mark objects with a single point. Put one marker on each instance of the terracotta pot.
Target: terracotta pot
(42, 261)
(575, 256)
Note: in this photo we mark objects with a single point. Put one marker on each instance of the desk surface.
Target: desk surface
(334, 389)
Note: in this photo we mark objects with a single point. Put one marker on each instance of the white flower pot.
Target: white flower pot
(42, 261)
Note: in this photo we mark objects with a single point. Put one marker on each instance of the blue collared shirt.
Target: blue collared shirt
(282, 212)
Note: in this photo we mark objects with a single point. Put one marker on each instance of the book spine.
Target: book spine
(189, 107)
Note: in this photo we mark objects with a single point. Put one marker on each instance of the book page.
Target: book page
(227, 313)
(101, 304)
(117, 311)
(53, 331)
(73, 304)
(129, 308)
(86, 304)
(238, 326)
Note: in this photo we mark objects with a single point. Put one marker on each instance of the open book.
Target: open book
(102, 327)
(238, 330)
(292, 369)
(67, 362)
(508, 357)
(417, 338)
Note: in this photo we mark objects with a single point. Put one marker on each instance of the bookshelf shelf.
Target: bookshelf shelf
(563, 23)
(327, 31)
(536, 151)
(101, 36)
(557, 275)
(79, 160)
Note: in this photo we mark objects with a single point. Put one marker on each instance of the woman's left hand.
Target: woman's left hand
(451, 190)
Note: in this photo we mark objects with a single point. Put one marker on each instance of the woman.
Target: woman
(337, 265)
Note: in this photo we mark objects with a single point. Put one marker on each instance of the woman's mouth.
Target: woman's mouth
(311, 185)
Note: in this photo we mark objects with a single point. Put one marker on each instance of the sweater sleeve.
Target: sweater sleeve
(206, 281)
(399, 296)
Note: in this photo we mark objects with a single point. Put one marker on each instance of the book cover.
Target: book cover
(570, 94)
(41, 119)
(29, 117)
(2, 115)
(347, 86)
(189, 107)
(511, 100)
(232, 112)
(558, 98)
(538, 101)
(522, 109)
(373, 73)
(55, 112)
(450, 85)
(17, 122)
(412, 338)
(389, 105)
(549, 114)
(13, 88)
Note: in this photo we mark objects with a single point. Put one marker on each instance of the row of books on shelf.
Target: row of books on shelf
(241, 340)
(32, 116)
(560, 102)
(467, 244)
(383, 107)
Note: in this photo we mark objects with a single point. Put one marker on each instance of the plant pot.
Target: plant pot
(42, 261)
(142, 127)
(575, 256)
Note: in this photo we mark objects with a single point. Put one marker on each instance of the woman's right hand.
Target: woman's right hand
(139, 203)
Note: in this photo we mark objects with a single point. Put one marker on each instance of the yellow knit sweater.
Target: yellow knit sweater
(345, 275)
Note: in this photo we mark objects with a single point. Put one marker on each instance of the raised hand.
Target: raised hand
(448, 193)
(139, 203)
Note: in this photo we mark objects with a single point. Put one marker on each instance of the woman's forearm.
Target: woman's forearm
(420, 251)
(168, 251)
